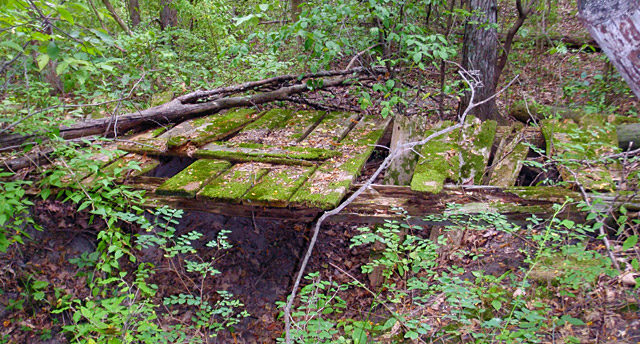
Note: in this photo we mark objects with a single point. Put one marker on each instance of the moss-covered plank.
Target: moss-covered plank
(145, 142)
(574, 141)
(196, 131)
(334, 127)
(475, 147)
(439, 161)
(460, 156)
(510, 155)
(258, 130)
(296, 128)
(231, 185)
(244, 152)
(276, 188)
(131, 166)
(330, 183)
(189, 181)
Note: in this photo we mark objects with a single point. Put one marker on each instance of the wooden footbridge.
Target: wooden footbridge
(294, 164)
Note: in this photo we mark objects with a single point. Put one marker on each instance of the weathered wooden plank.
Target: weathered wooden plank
(460, 156)
(276, 188)
(405, 129)
(196, 131)
(258, 130)
(231, 185)
(141, 164)
(439, 161)
(576, 141)
(334, 127)
(374, 205)
(296, 128)
(330, 183)
(244, 152)
(189, 181)
(509, 157)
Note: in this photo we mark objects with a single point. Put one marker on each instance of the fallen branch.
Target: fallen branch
(196, 104)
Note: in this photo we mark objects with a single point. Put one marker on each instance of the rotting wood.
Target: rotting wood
(197, 131)
(258, 130)
(331, 181)
(509, 157)
(143, 165)
(244, 152)
(405, 129)
(333, 127)
(276, 188)
(374, 206)
(585, 139)
(189, 181)
(231, 185)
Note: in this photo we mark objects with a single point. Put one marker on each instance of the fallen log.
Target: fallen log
(197, 104)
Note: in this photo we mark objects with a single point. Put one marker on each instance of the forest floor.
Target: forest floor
(262, 263)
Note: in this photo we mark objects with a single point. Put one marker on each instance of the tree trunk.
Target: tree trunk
(295, 10)
(134, 12)
(115, 16)
(168, 15)
(615, 25)
(479, 53)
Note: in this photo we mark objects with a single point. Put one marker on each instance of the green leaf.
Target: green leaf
(496, 304)
(62, 67)
(263, 7)
(42, 59)
(630, 242)
(65, 14)
(52, 50)
(13, 45)
(103, 35)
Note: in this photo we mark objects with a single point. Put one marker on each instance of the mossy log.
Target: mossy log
(244, 152)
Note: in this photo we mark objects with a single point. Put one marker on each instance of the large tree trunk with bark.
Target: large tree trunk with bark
(615, 25)
(168, 15)
(480, 53)
(134, 12)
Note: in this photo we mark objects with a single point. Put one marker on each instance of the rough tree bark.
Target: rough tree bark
(295, 10)
(480, 53)
(134, 12)
(615, 25)
(168, 15)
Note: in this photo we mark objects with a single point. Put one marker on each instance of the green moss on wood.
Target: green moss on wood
(189, 181)
(272, 119)
(211, 128)
(330, 183)
(231, 185)
(331, 129)
(439, 162)
(243, 152)
(276, 188)
(543, 193)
